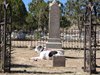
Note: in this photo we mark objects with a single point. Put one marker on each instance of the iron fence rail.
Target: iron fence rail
(70, 40)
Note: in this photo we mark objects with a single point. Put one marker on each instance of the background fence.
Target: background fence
(71, 39)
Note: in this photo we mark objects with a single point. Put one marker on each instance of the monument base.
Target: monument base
(54, 43)
(54, 40)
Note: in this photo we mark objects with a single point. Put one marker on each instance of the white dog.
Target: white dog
(45, 53)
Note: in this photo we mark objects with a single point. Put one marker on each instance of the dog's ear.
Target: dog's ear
(38, 48)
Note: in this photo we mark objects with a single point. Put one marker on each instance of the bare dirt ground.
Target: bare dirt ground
(21, 65)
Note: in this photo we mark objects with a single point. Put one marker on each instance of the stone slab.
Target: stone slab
(59, 61)
(54, 40)
(54, 45)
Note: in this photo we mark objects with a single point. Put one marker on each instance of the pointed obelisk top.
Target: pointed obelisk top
(53, 2)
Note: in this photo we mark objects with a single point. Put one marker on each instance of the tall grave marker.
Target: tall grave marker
(54, 40)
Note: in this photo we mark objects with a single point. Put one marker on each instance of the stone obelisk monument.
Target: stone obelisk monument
(54, 41)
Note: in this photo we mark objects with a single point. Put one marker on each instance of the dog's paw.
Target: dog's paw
(34, 59)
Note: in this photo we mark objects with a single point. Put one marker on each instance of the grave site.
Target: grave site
(72, 51)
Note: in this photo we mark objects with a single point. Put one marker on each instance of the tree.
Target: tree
(39, 10)
(19, 13)
(30, 22)
(64, 23)
(76, 7)
(73, 9)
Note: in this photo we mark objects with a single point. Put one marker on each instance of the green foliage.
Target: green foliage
(37, 35)
(73, 9)
(65, 22)
(76, 7)
(19, 13)
(31, 23)
(39, 11)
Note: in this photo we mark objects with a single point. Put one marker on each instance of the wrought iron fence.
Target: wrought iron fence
(71, 39)
(27, 43)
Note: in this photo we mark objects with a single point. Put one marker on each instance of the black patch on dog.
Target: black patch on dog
(52, 53)
(40, 48)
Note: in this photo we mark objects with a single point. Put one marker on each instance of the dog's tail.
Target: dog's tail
(52, 53)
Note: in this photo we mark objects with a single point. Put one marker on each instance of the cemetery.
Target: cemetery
(52, 50)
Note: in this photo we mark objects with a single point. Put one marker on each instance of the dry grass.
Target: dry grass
(21, 65)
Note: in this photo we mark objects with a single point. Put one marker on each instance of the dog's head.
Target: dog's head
(59, 53)
(39, 49)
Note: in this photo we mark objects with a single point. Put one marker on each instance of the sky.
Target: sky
(28, 1)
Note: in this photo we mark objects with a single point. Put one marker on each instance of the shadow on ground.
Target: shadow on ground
(74, 57)
(21, 66)
(39, 72)
(33, 72)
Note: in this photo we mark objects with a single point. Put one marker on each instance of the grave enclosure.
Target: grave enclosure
(89, 42)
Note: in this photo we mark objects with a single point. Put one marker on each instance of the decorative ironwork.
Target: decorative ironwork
(90, 24)
(5, 36)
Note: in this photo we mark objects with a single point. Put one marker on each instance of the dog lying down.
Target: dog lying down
(45, 53)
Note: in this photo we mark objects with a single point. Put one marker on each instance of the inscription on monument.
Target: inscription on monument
(54, 26)
(54, 21)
